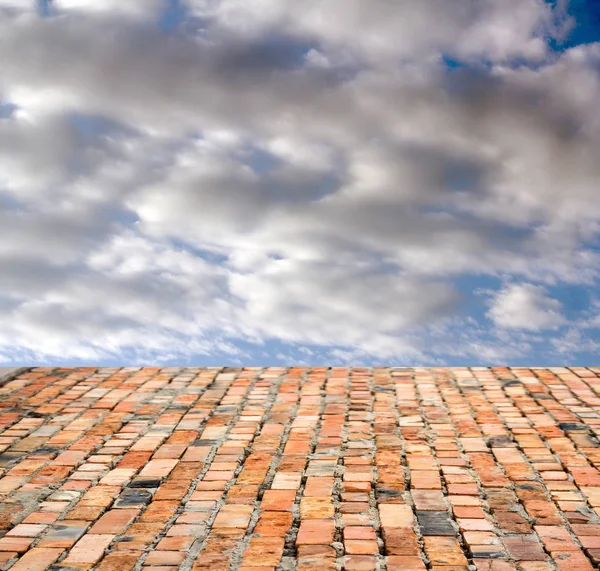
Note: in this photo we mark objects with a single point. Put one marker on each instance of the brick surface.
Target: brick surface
(248, 469)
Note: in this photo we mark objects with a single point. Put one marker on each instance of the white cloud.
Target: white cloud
(495, 29)
(309, 172)
(325, 302)
(137, 8)
(526, 306)
(131, 295)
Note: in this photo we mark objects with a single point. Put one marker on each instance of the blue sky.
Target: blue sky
(586, 15)
(272, 182)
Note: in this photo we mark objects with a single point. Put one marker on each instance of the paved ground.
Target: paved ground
(7, 373)
(308, 469)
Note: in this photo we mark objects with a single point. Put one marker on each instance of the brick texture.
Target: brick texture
(252, 469)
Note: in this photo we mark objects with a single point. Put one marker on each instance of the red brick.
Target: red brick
(87, 551)
(114, 521)
(37, 559)
(450, 433)
(315, 532)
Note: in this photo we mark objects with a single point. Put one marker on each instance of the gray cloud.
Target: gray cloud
(259, 175)
(382, 29)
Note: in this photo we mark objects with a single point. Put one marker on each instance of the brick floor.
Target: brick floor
(309, 469)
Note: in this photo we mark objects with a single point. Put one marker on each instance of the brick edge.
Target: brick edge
(12, 374)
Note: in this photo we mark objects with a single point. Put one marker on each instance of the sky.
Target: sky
(275, 182)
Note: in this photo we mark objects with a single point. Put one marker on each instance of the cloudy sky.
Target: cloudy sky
(300, 181)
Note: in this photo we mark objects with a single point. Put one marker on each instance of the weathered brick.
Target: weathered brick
(486, 464)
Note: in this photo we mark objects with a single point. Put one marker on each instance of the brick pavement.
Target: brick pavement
(309, 469)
